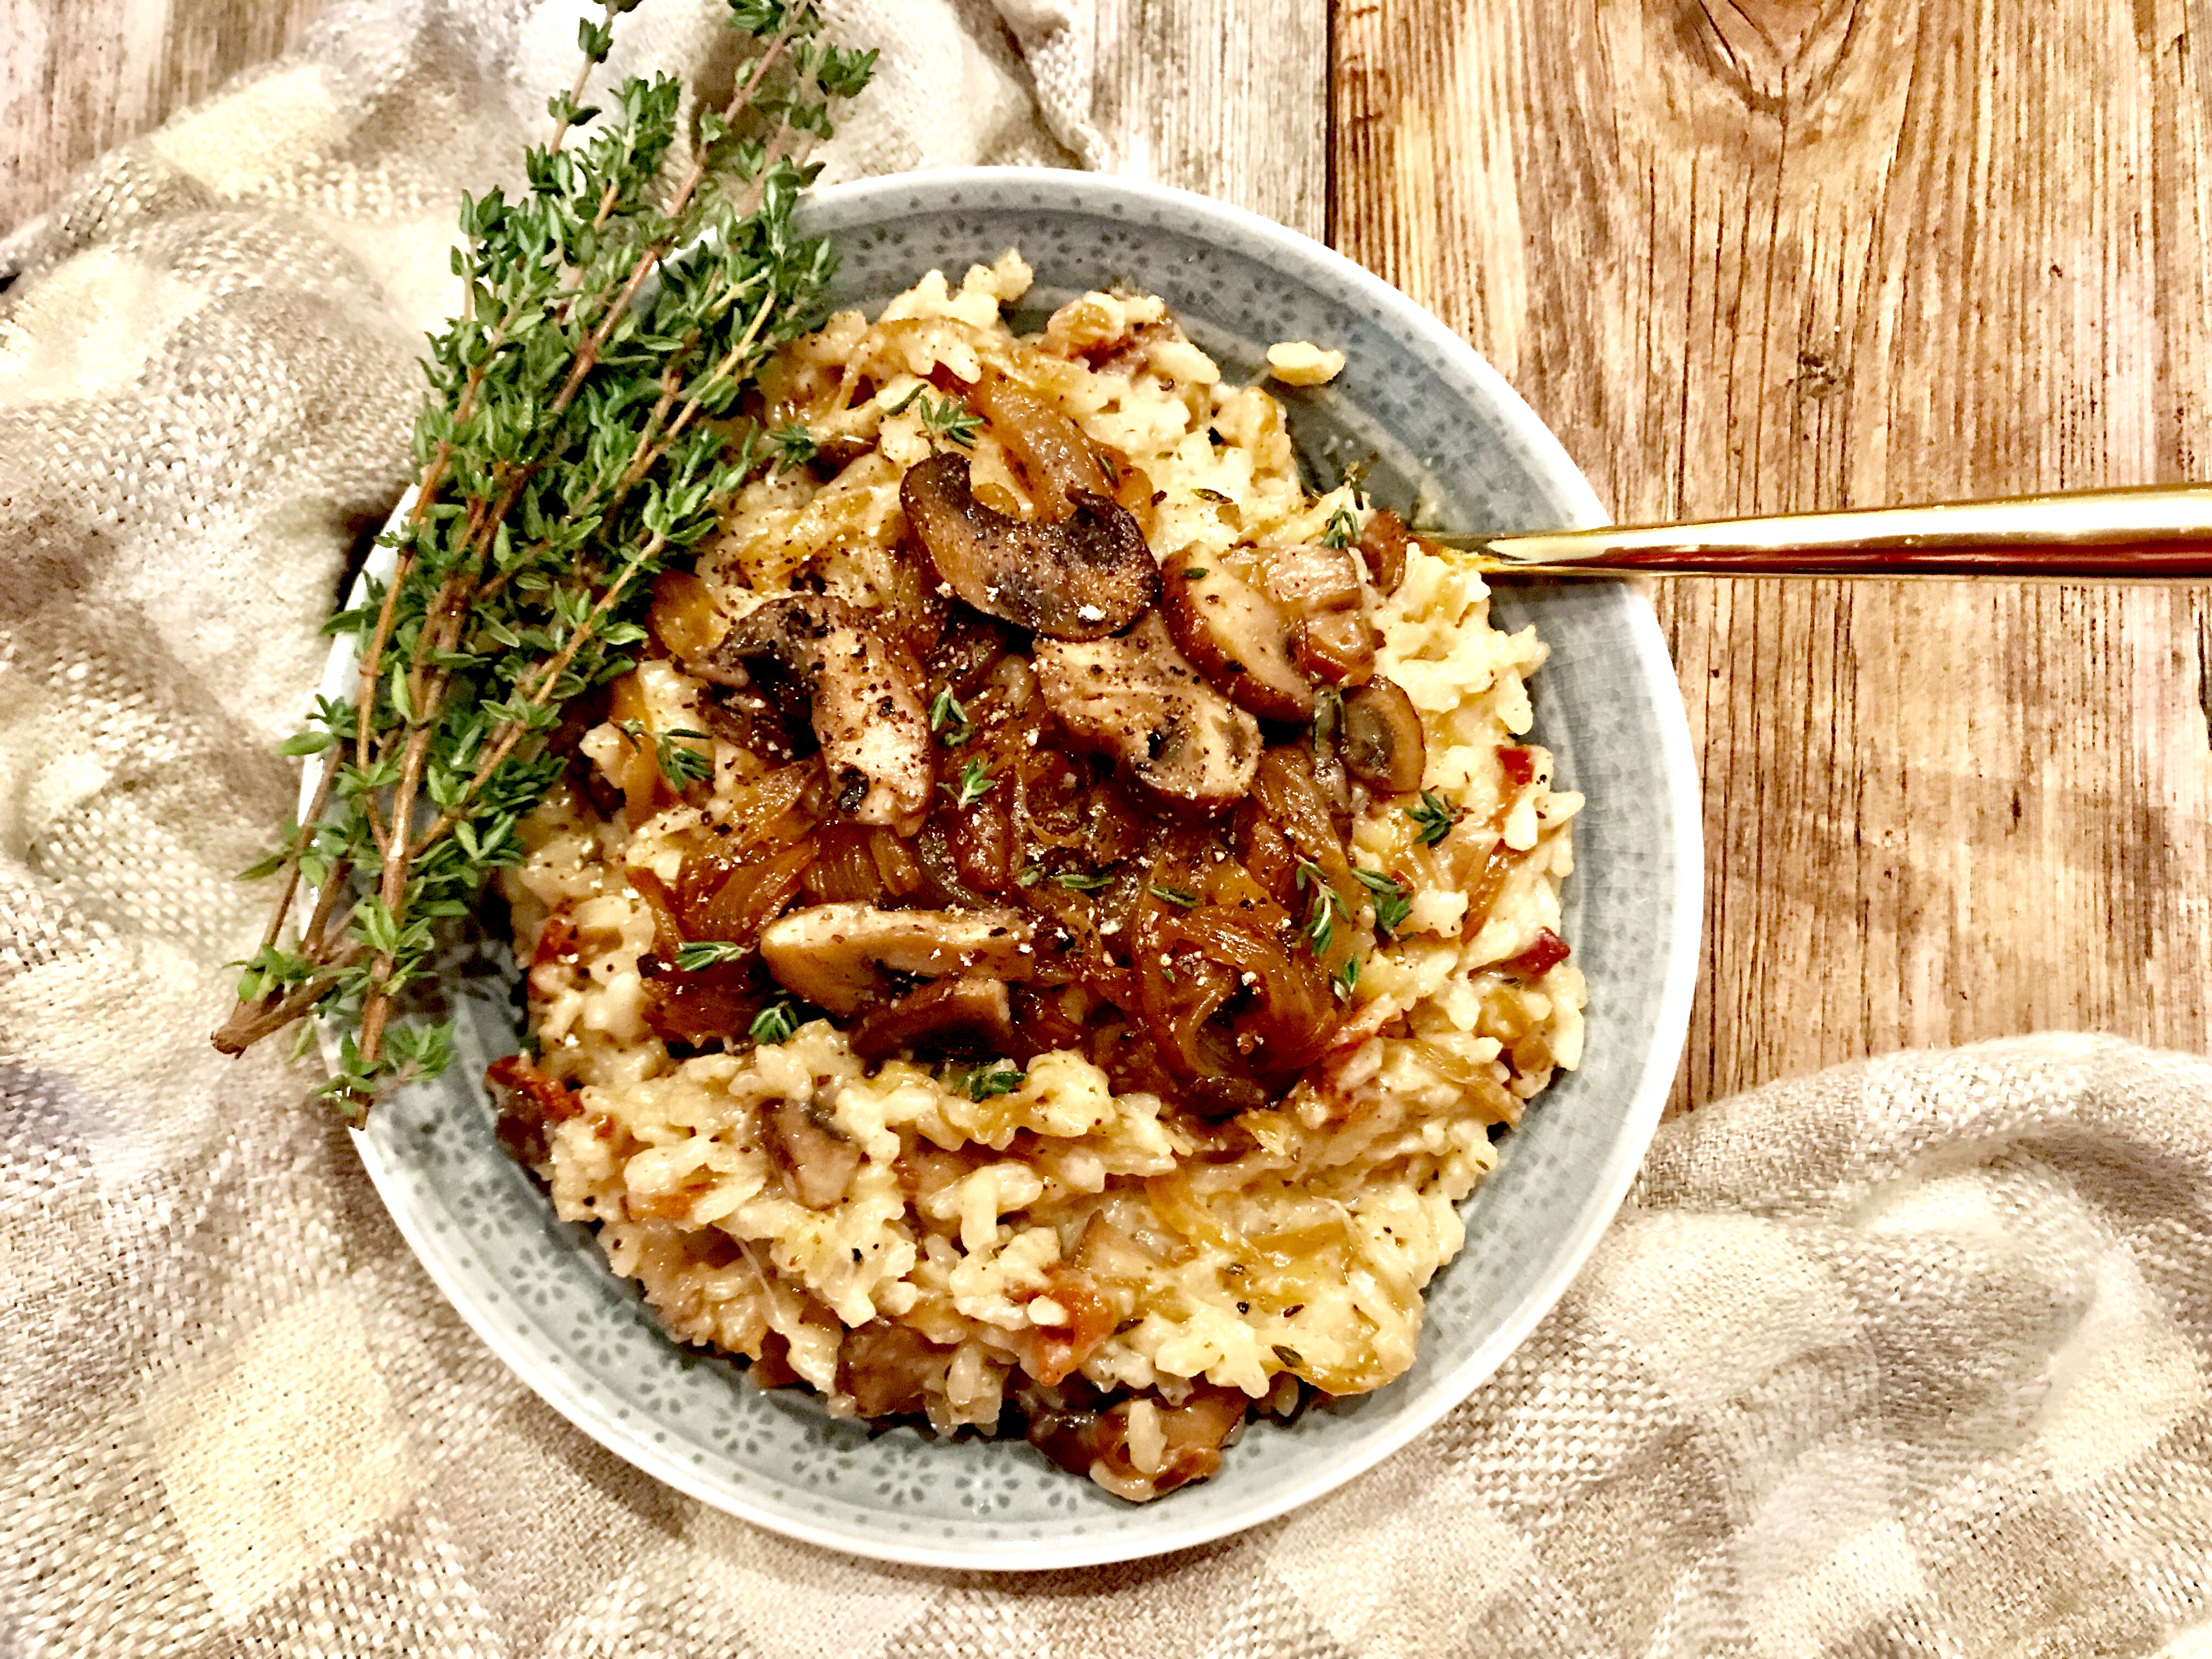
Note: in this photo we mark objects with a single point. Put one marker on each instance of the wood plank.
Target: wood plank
(1225, 97)
(78, 76)
(1779, 254)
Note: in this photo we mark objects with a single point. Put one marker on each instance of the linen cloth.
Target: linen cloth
(1909, 1358)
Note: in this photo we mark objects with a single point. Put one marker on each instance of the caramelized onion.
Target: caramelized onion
(1057, 461)
(710, 1007)
(1235, 1003)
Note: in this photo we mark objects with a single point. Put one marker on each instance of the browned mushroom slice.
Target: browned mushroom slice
(1338, 647)
(1319, 585)
(1314, 578)
(1057, 459)
(1382, 744)
(1139, 700)
(832, 955)
(968, 1015)
(1238, 635)
(1083, 579)
(1383, 543)
(866, 697)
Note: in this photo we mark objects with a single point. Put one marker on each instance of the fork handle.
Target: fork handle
(2161, 532)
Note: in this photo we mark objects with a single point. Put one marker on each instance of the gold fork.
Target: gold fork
(2160, 532)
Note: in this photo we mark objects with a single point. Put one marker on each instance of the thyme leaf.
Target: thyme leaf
(695, 956)
(946, 715)
(1392, 906)
(1433, 816)
(985, 1081)
(975, 782)
(777, 1023)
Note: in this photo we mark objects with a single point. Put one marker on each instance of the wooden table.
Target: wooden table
(1741, 255)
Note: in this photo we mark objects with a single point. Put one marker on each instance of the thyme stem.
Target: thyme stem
(572, 443)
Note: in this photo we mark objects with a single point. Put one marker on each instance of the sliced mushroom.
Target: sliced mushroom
(1057, 459)
(1238, 635)
(1314, 578)
(1083, 579)
(1138, 699)
(1382, 743)
(814, 1155)
(866, 695)
(833, 955)
(968, 1015)
(1338, 647)
(1383, 543)
(1319, 585)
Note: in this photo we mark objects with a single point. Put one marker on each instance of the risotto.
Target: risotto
(1059, 916)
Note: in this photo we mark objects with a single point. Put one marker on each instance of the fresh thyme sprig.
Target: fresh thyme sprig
(1433, 818)
(777, 1023)
(696, 956)
(576, 439)
(679, 762)
(1392, 906)
(1327, 907)
(947, 420)
(975, 782)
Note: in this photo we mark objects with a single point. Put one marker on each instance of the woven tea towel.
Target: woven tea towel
(1908, 1358)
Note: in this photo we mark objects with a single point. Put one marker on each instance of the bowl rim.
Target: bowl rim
(1081, 191)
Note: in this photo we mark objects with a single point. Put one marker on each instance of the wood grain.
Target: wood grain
(1226, 97)
(77, 76)
(1766, 254)
(1780, 254)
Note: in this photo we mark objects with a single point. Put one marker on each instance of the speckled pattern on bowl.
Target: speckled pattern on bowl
(1433, 423)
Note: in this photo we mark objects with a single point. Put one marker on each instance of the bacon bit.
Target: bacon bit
(664, 1207)
(552, 957)
(1546, 953)
(1370, 1022)
(528, 1100)
(555, 939)
(1056, 1351)
(1519, 764)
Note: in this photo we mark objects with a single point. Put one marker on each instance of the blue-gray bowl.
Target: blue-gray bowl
(1435, 426)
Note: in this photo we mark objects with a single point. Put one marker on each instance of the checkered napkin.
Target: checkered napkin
(1906, 1359)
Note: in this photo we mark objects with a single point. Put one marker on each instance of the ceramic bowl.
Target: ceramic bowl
(1435, 428)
